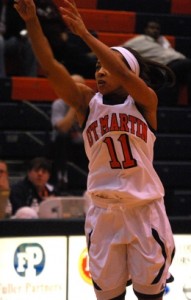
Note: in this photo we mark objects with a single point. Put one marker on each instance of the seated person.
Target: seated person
(34, 186)
(68, 48)
(16, 54)
(154, 46)
(67, 142)
(80, 58)
(25, 212)
(5, 207)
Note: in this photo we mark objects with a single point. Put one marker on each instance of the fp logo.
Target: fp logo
(29, 260)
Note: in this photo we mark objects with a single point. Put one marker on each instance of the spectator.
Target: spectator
(153, 45)
(53, 27)
(15, 46)
(34, 186)
(25, 212)
(67, 142)
(81, 60)
(5, 206)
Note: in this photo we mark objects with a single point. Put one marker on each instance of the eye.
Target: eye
(98, 66)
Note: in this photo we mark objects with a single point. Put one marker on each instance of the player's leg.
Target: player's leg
(107, 255)
(160, 298)
(153, 257)
(121, 297)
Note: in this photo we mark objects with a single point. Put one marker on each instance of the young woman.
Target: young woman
(128, 233)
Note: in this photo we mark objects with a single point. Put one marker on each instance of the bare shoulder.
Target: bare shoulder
(149, 107)
(87, 94)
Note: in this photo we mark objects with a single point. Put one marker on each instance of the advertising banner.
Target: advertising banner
(79, 271)
(33, 268)
(49, 268)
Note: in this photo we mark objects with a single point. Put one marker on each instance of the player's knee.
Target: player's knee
(120, 297)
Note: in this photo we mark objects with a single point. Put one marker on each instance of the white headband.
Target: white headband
(130, 58)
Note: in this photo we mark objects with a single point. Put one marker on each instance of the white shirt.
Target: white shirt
(119, 145)
(160, 50)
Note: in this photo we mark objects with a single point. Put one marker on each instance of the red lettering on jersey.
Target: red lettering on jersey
(91, 133)
(133, 121)
(89, 136)
(124, 122)
(114, 124)
(121, 122)
(141, 130)
(93, 127)
(104, 125)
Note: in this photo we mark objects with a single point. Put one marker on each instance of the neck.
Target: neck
(114, 99)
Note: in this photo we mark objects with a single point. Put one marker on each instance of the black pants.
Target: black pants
(182, 71)
(64, 150)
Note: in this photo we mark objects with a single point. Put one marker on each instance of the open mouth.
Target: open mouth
(101, 82)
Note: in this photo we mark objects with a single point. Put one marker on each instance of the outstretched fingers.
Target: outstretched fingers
(68, 17)
(72, 17)
(67, 13)
(70, 11)
(25, 8)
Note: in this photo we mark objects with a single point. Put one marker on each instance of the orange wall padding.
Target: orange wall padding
(183, 95)
(36, 89)
(114, 39)
(79, 3)
(39, 89)
(181, 6)
(59, 2)
(26, 88)
(109, 21)
(86, 3)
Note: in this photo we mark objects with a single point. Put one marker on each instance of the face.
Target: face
(153, 30)
(106, 82)
(39, 177)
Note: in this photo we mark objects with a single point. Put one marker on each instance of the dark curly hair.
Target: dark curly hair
(155, 75)
(39, 163)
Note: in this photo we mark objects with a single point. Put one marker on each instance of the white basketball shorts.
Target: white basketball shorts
(129, 243)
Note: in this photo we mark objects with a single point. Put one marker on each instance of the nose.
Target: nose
(101, 72)
(40, 172)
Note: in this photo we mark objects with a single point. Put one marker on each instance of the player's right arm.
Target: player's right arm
(58, 75)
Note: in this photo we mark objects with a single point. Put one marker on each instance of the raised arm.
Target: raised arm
(134, 85)
(58, 75)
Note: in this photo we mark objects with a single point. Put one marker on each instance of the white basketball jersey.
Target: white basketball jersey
(119, 145)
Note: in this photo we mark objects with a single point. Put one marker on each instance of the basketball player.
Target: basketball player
(128, 233)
